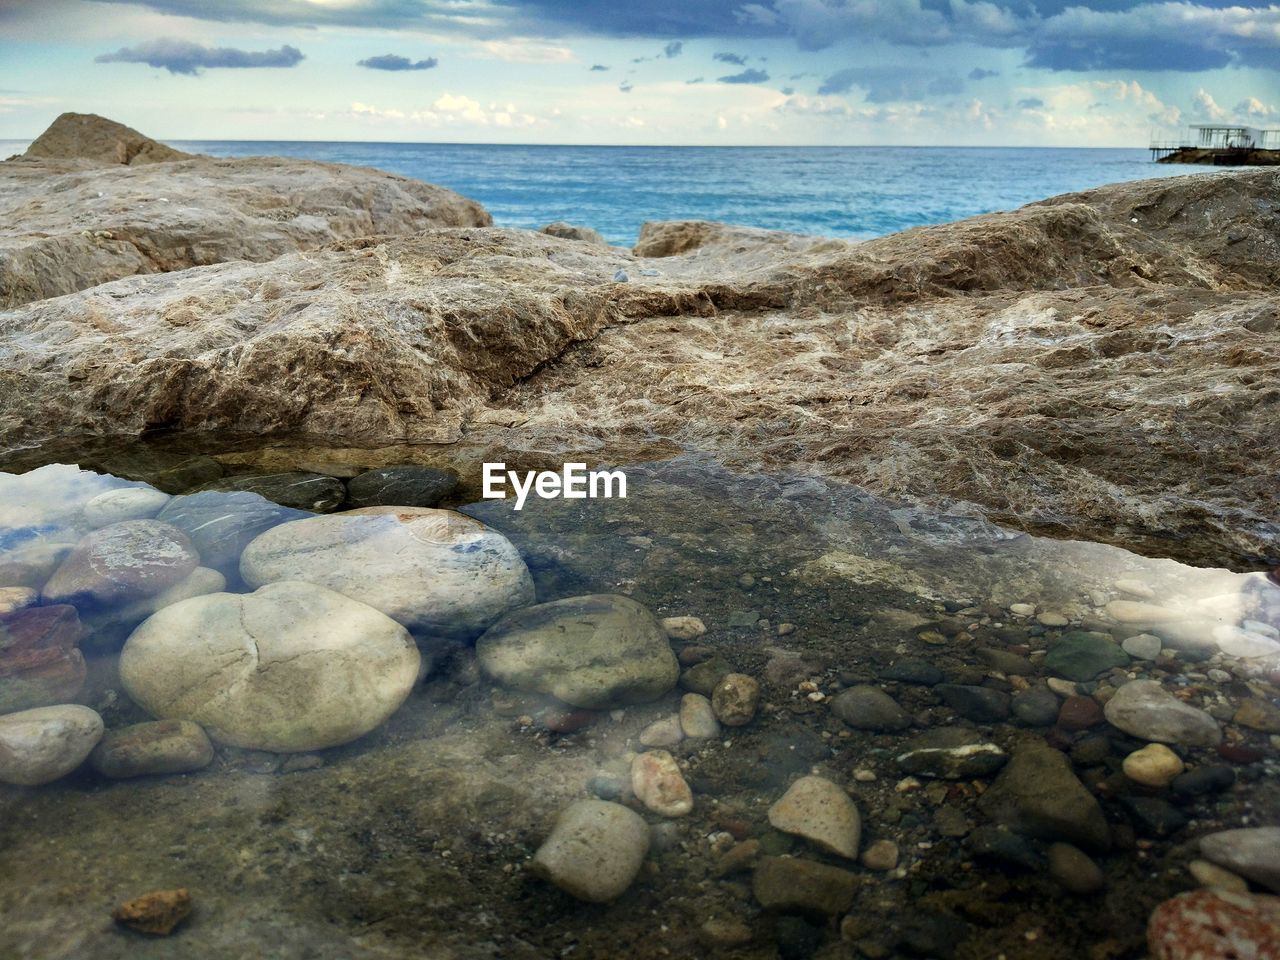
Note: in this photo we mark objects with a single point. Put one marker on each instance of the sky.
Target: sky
(770, 72)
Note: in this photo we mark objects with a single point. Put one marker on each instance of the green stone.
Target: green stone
(1081, 656)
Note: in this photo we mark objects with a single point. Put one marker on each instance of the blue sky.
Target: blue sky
(960, 72)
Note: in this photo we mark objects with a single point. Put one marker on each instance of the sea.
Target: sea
(852, 192)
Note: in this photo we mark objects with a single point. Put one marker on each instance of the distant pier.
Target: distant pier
(1222, 146)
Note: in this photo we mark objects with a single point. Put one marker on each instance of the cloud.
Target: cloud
(389, 61)
(746, 76)
(736, 59)
(887, 84)
(626, 86)
(598, 67)
(696, 80)
(1251, 108)
(673, 49)
(1204, 107)
(1030, 103)
(980, 73)
(524, 50)
(184, 57)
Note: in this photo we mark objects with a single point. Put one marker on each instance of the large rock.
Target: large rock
(1082, 369)
(93, 201)
(290, 667)
(1038, 795)
(40, 659)
(1143, 708)
(435, 571)
(86, 136)
(597, 651)
(41, 745)
(121, 563)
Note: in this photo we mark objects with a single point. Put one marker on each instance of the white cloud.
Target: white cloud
(1251, 108)
(1204, 107)
(526, 51)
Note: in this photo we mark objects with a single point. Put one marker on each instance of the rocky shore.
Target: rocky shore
(271, 682)
(1101, 365)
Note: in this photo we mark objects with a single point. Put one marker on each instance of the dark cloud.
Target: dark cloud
(746, 76)
(887, 84)
(390, 61)
(696, 80)
(673, 49)
(184, 57)
(1030, 103)
(735, 58)
(981, 73)
(1167, 35)
(599, 67)
(626, 86)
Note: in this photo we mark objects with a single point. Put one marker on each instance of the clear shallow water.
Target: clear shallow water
(421, 831)
(856, 192)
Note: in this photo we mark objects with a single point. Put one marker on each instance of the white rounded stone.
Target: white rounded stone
(131, 503)
(290, 667)
(435, 571)
(1143, 646)
(41, 745)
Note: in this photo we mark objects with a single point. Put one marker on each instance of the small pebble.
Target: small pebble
(156, 913)
(697, 717)
(666, 732)
(659, 784)
(881, 855)
(1211, 875)
(735, 699)
(684, 628)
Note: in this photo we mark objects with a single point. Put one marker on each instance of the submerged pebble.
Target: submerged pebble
(822, 813)
(735, 699)
(658, 784)
(46, 743)
(594, 851)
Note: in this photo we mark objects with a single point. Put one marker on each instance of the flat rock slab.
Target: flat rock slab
(291, 667)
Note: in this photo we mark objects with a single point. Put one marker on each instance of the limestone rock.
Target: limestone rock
(822, 813)
(1070, 299)
(1251, 852)
(128, 205)
(86, 136)
(1143, 708)
(598, 651)
(435, 571)
(121, 563)
(46, 743)
(567, 231)
(1038, 795)
(698, 717)
(659, 784)
(162, 746)
(291, 667)
(595, 850)
(40, 659)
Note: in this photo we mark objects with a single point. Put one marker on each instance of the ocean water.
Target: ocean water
(856, 192)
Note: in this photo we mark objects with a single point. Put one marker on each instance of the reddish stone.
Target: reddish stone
(1215, 925)
(1080, 713)
(39, 660)
(558, 720)
(1239, 753)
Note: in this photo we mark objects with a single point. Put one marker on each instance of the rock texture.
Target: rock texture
(1070, 366)
(92, 201)
(290, 667)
